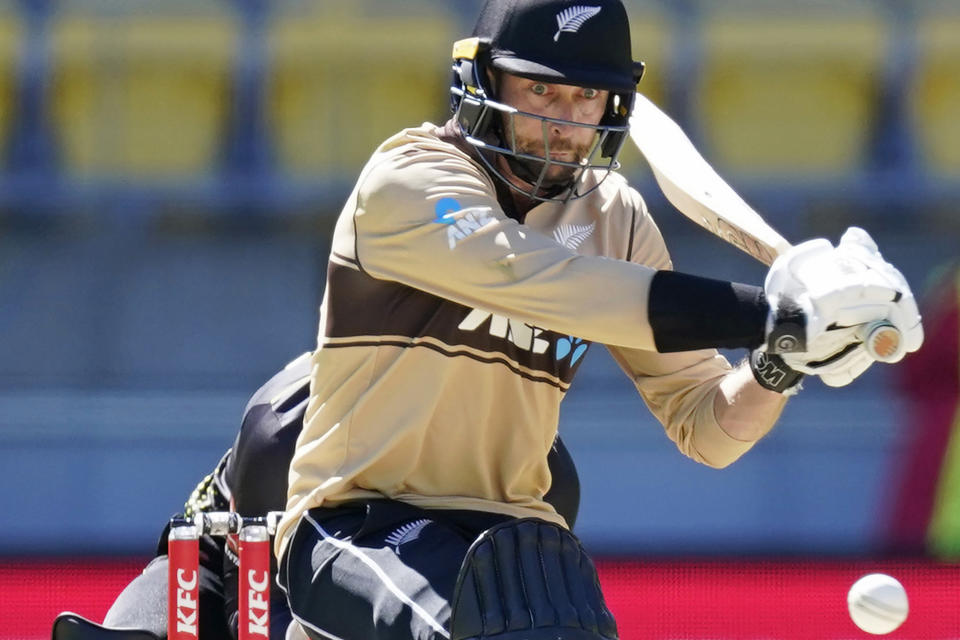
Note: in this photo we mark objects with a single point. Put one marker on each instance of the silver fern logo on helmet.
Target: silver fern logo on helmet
(571, 19)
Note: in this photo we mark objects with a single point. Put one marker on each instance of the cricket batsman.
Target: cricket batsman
(471, 267)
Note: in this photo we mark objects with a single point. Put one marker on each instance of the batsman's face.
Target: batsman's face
(568, 143)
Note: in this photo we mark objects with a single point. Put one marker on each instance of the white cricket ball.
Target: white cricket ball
(877, 603)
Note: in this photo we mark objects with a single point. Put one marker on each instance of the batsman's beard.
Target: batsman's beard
(556, 175)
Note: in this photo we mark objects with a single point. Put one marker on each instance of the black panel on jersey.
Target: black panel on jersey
(689, 312)
(373, 311)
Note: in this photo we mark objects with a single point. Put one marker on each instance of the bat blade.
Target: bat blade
(695, 189)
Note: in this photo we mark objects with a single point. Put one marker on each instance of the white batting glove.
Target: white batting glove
(840, 292)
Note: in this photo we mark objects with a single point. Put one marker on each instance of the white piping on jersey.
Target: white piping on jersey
(378, 570)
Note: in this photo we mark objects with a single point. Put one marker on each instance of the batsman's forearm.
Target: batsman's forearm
(745, 410)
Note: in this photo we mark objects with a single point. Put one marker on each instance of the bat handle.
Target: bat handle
(882, 340)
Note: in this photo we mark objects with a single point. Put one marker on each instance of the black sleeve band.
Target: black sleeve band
(689, 312)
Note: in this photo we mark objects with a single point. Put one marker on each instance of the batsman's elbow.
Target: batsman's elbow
(714, 447)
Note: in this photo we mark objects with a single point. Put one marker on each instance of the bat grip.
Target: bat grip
(882, 340)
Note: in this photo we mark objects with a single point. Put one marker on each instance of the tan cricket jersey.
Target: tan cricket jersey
(450, 332)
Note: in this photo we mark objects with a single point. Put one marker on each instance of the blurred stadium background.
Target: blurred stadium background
(169, 173)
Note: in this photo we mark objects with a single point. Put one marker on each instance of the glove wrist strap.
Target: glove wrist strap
(772, 373)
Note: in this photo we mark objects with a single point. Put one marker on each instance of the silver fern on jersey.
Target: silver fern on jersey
(573, 235)
(571, 19)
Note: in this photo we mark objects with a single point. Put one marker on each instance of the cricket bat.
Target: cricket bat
(698, 192)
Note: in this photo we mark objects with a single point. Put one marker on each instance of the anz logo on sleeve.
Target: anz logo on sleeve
(463, 225)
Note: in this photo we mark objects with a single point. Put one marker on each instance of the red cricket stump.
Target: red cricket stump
(183, 587)
(254, 597)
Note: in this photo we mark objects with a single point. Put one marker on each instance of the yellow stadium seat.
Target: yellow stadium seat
(11, 43)
(790, 90)
(652, 41)
(141, 90)
(935, 95)
(346, 75)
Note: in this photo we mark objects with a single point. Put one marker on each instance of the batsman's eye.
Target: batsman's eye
(590, 94)
(539, 88)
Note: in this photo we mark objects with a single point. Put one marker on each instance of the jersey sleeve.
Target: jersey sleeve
(678, 388)
(430, 220)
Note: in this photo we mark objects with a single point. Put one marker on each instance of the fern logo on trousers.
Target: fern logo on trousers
(571, 19)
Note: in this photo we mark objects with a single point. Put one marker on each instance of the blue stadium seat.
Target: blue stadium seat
(141, 90)
(652, 32)
(653, 36)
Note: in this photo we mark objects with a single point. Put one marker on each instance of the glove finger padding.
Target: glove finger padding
(857, 237)
(846, 292)
(856, 246)
(824, 350)
(848, 368)
(787, 276)
(912, 337)
(837, 357)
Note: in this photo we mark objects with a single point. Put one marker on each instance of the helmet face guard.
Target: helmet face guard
(553, 41)
(490, 126)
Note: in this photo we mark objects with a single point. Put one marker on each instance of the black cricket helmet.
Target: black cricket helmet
(584, 43)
